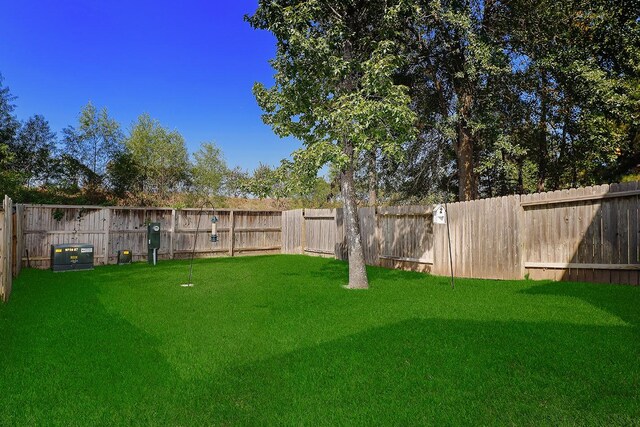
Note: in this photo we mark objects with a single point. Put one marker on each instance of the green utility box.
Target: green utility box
(153, 242)
(124, 257)
(70, 257)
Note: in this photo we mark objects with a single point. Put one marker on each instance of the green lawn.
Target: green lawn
(277, 340)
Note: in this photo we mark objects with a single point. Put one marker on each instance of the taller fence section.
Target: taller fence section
(587, 234)
(485, 239)
(395, 237)
(111, 229)
(6, 248)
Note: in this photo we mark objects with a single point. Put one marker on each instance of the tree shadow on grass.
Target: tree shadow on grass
(437, 372)
(338, 271)
(65, 360)
(621, 301)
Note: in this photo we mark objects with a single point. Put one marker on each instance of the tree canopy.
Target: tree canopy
(335, 90)
(95, 141)
(161, 156)
(405, 101)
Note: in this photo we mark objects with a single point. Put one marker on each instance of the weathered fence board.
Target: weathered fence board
(18, 239)
(370, 236)
(321, 232)
(6, 248)
(586, 234)
(292, 231)
(406, 237)
(484, 239)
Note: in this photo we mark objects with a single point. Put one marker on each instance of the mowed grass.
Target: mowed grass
(277, 340)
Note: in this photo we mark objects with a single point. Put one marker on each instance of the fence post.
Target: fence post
(3, 252)
(231, 232)
(521, 237)
(9, 219)
(6, 247)
(303, 235)
(172, 232)
(378, 240)
(19, 236)
(107, 217)
(337, 244)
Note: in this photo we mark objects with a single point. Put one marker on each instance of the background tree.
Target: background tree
(235, 182)
(8, 130)
(268, 182)
(453, 56)
(334, 90)
(124, 175)
(33, 151)
(162, 157)
(95, 141)
(70, 174)
(209, 170)
(552, 91)
(585, 60)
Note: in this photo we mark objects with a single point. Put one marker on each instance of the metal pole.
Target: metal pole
(195, 240)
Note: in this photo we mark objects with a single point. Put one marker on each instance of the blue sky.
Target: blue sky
(190, 64)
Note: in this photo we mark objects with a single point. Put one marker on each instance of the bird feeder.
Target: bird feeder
(214, 229)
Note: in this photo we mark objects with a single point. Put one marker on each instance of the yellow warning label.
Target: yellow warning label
(58, 251)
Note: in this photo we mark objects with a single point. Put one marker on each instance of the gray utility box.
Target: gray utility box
(153, 242)
(70, 257)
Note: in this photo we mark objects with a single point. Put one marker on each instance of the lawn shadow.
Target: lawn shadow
(329, 269)
(338, 271)
(69, 361)
(620, 300)
(439, 372)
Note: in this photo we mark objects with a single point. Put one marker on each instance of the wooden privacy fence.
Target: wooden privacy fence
(395, 237)
(7, 249)
(587, 234)
(110, 229)
(584, 234)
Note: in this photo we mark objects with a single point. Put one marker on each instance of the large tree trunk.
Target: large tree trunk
(464, 151)
(542, 135)
(357, 271)
(373, 178)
